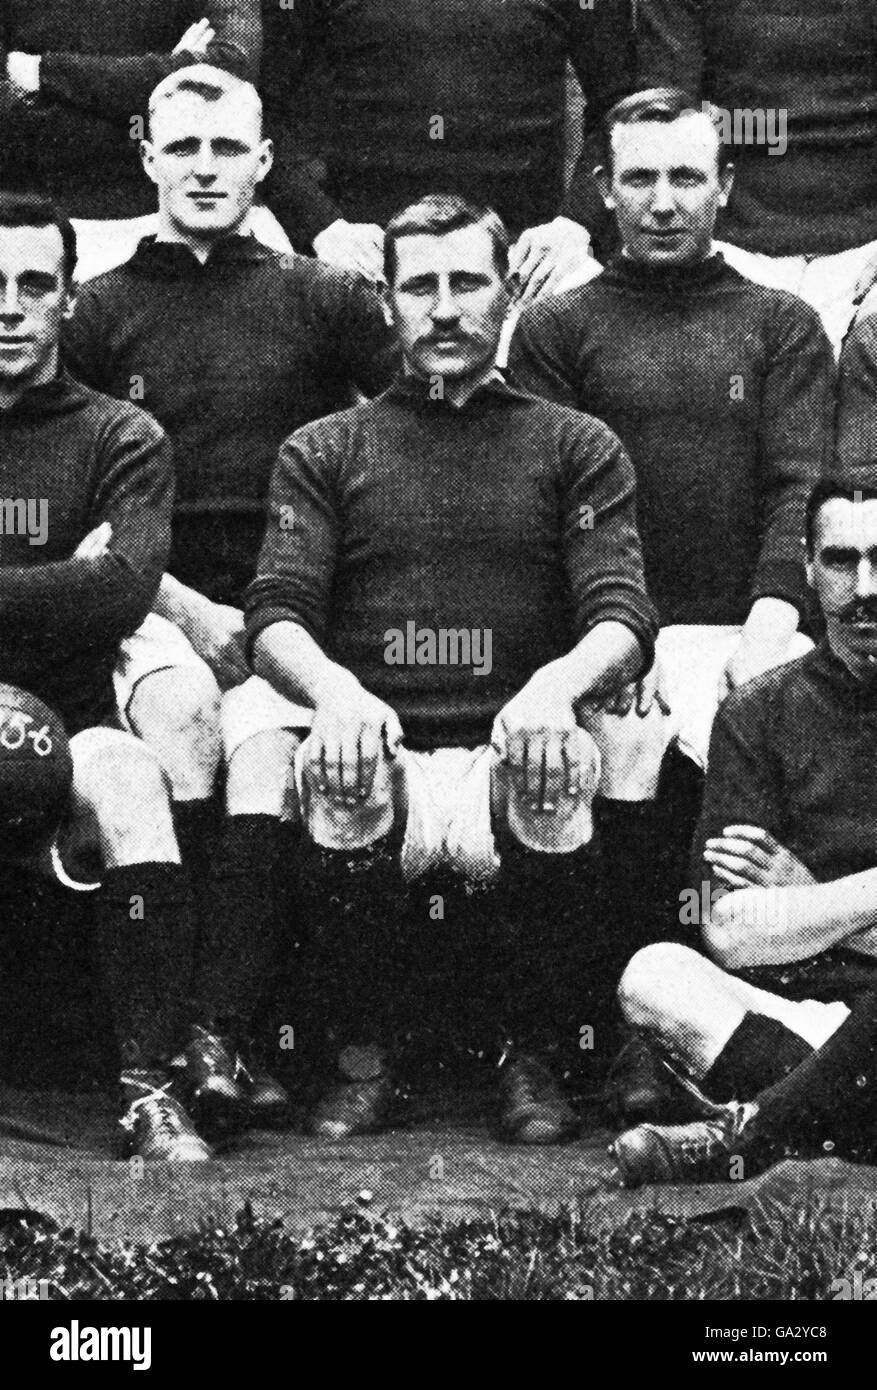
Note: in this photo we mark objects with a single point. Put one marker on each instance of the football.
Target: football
(36, 772)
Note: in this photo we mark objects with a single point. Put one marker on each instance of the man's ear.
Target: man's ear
(147, 159)
(726, 179)
(266, 159)
(70, 300)
(604, 184)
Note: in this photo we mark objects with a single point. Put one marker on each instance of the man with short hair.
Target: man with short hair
(720, 390)
(74, 86)
(796, 90)
(103, 471)
(775, 1025)
(463, 571)
(232, 347)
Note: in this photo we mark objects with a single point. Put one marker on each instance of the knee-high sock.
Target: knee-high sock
(551, 953)
(355, 905)
(238, 945)
(646, 848)
(830, 1095)
(197, 826)
(759, 1053)
(145, 934)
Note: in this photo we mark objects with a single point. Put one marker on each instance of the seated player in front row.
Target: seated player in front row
(463, 570)
(785, 865)
(100, 470)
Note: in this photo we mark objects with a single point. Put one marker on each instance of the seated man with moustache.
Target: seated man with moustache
(455, 516)
(769, 1032)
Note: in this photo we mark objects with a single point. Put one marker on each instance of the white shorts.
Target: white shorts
(826, 283)
(73, 855)
(254, 707)
(814, 1020)
(449, 814)
(105, 243)
(692, 658)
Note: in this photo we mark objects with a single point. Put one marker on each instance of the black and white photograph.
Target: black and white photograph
(438, 666)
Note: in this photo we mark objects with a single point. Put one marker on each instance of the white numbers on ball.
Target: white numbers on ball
(15, 731)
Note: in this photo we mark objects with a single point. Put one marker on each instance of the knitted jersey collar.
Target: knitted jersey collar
(631, 274)
(59, 396)
(421, 391)
(174, 258)
(833, 674)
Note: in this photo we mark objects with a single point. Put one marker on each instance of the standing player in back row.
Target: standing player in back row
(232, 347)
(464, 98)
(721, 391)
(796, 92)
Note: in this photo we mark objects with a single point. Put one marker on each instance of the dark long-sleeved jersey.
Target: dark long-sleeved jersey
(80, 459)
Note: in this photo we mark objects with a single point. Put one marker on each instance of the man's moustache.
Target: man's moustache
(859, 613)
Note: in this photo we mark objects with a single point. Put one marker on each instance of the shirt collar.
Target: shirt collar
(175, 257)
(831, 672)
(419, 390)
(638, 274)
(53, 397)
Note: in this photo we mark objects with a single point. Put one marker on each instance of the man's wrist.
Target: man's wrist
(558, 682)
(337, 686)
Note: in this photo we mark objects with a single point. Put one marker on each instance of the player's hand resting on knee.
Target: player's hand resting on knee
(350, 731)
(540, 744)
(745, 856)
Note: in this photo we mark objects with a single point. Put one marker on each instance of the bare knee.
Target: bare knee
(120, 787)
(651, 981)
(176, 712)
(259, 780)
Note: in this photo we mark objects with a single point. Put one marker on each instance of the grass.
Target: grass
(784, 1253)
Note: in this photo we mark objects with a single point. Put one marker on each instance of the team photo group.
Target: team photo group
(438, 565)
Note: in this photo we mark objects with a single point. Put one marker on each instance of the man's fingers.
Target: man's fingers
(574, 768)
(95, 543)
(369, 752)
(737, 864)
(744, 849)
(514, 757)
(392, 732)
(731, 880)
(348, 764)
(752, 832)
(554, 771)
(624, 700)
(534, 770)
(518, 253)
(499, 740)
(530, 261)
(741, 844)
(192, 36)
